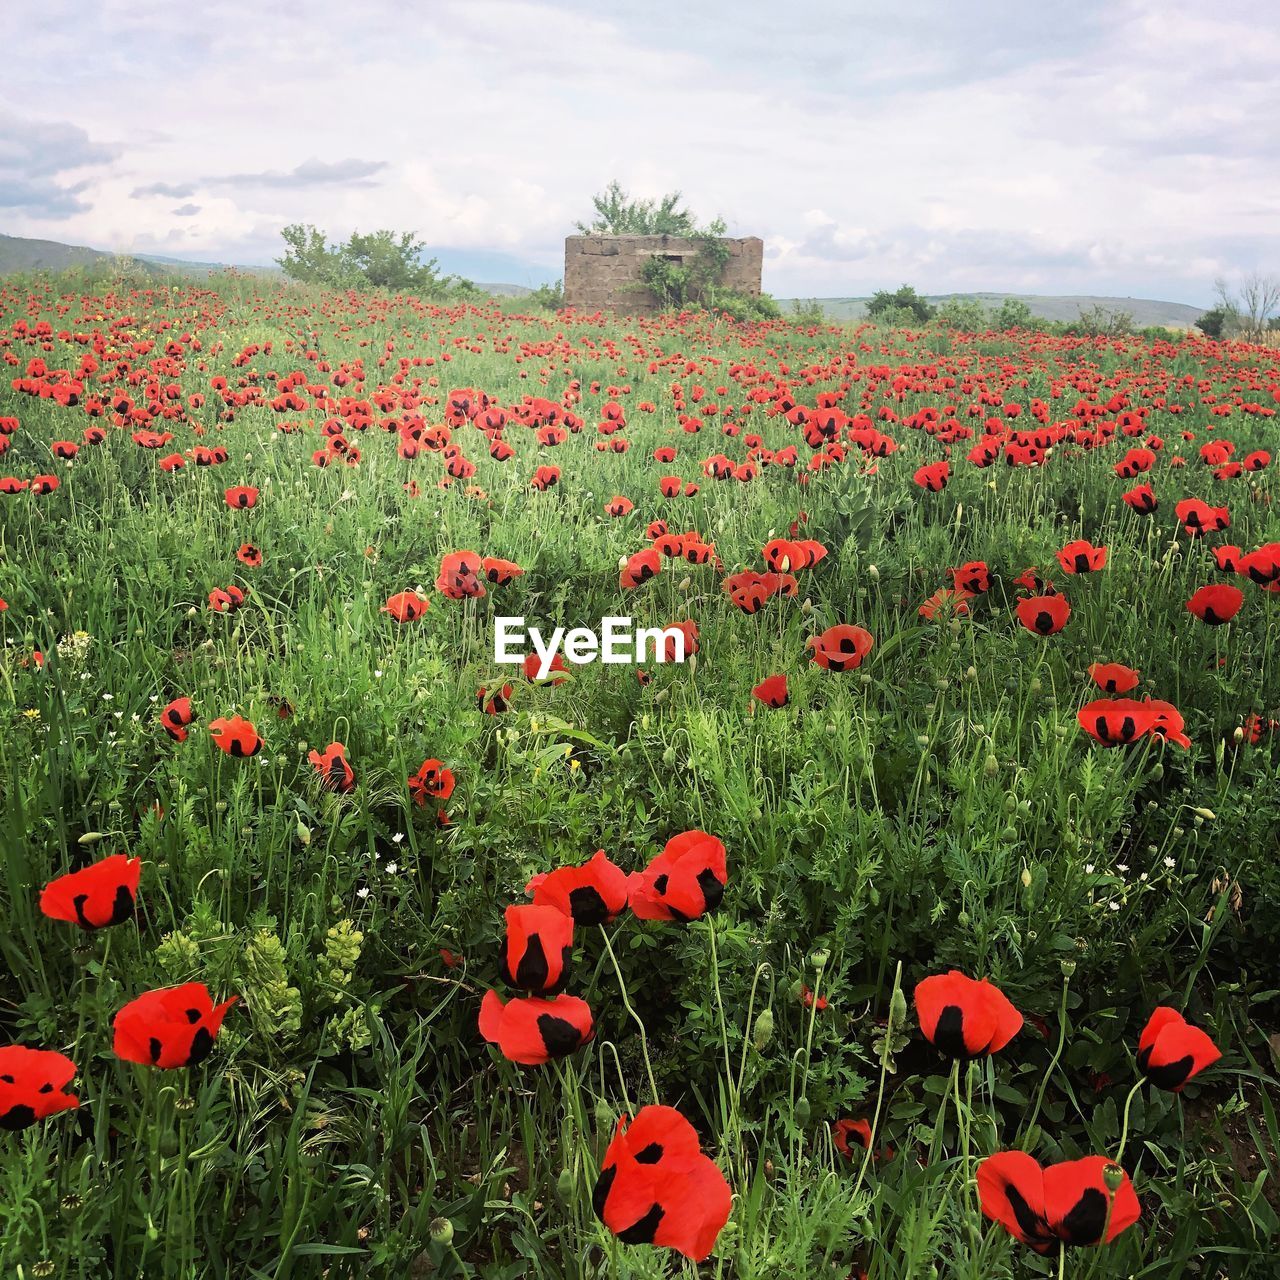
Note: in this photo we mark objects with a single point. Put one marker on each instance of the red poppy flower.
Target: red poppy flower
(656, 1186)
(530, 1031)
(43, 485)
(1142, 499)
(1171, 1050)
(965, 1017)
(538, 948)
(1116, 721)
(841, 648)
(945, 600)
(772, 692)
(594, 893)
(1082, 557)
(844, 1133)
(973, 577)
(33, 1085)
(934, 477)
(640, 568)
(1045, 615)
(96, 896)
(331, 764)
(432, 781)
(1166, 722)
(496, 703)
(1067, 1202)
(249, 555)
(1227, 558)
(1263, 566)
(405, 606)
(236, 736)
(459, 577)
(618, 506)
(684, 881)
(1217, 603)
(175, 718)
(172, 1027)
(225, 599)
(242, 496)
(1199, 518)
(500, 572)
(533, 664)
(1111, 677)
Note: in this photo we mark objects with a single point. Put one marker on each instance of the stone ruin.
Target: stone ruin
(600, 271)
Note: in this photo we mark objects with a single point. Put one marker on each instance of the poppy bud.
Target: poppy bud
(1205, 813)
(802, 1111)
(873, 573)
(991, 766)
(763, 1031)
(92, 837)
(565, 1186)
(303, 832)
(1026, 878)
(897, 1011)
(604, 1117)
(167, 1144)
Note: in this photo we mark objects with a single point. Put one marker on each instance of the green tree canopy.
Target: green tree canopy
(377, 259)
(884, 304)
(618, 214)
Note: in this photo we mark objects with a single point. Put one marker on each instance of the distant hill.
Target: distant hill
(19, 254)
(1145, 311)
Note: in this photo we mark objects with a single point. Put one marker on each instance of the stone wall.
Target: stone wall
(598, 269)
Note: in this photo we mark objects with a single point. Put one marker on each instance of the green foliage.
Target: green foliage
(1013, 313)
(1214, 322)
(549, 297)
(964, 314)
(617, 213)
(378, 259)
(808, 313)
(1101, 322)
(888, 309)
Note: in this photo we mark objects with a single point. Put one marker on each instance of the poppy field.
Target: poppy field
(922, 921)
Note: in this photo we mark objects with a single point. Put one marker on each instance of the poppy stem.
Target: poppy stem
(1057, 1054)
(1124, 1124)
(635, 1017)
(1062, 1259)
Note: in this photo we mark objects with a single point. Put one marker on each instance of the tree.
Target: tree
(618, 214)
(377, 259)
(1012, 313)
(886, 307)
(1252, 306)
(964, 314)
(1213, 323)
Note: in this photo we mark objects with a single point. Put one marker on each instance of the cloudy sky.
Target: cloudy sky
(1122, 147)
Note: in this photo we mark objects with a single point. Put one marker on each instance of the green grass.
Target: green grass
(939, 807)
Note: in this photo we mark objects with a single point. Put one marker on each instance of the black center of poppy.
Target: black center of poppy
(559, 1036)
(1086, 1221)
(532, 971)
(948, 1035)
(650, 1154)
(1044, 622)
(587, 906)
(201, 1046)
(1170, 1075)
(18, 1117)
(1033, 1228)
(712, 889)
(643, 1231)
(604, 1184)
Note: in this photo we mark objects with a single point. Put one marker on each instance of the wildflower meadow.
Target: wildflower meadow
(909, 907)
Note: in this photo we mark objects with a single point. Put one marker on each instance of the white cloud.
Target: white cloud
(990, 146)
